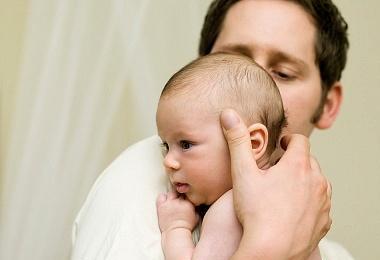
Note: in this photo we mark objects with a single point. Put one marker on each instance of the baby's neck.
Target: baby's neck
(267, 161)
(264, 163)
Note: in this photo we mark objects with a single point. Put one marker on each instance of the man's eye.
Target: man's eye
(185, 145)
(282, 75)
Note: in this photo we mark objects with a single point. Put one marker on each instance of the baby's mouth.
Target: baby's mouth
(181, 187)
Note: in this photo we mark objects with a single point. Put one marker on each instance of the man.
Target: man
(292, 40)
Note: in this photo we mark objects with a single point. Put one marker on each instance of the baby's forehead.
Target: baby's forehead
(178, 112)
(194, 88)
(195, 83)
(192, 100)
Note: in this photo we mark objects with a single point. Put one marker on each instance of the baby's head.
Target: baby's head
(197, 157)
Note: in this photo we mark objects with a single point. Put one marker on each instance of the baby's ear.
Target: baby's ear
(259, 139)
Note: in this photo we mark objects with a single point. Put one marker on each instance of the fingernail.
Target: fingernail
(229, 119)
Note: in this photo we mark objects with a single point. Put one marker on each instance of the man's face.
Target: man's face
(280, 36)
(196, 154)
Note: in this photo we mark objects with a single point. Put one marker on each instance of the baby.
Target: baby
(197, 158)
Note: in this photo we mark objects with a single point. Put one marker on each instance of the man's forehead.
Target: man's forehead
(280, 29)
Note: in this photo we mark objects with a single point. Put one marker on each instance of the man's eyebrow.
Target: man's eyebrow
(277, 55)
(239, 48)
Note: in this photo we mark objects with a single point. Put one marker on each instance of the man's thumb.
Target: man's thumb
(239, 142)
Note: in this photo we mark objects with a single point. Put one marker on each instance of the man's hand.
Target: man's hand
(284, 210)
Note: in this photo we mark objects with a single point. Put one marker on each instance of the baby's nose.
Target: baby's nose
(170, 162)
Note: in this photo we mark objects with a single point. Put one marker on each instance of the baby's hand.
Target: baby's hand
(175, 212)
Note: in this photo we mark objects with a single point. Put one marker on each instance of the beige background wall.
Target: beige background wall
(12, 27)
(348, 153)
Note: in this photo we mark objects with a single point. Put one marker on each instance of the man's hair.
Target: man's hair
(331, 40)
(234, 81)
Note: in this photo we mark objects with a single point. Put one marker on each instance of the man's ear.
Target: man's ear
(259, 139)
(331, 107)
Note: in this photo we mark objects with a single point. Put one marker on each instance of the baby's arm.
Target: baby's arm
(221, 231)
(176, 218)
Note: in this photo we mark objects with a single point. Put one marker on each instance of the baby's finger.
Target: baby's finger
(172, 195)
(161, 198)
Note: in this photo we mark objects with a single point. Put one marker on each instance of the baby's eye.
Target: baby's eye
(185, 145)
(165, 147)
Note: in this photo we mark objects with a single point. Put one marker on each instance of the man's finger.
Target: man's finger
(314, 164)
(239, 144)
(297, 148)
(329, 190)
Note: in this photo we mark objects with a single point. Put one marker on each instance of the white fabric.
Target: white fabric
(331, 250)
(119, 220)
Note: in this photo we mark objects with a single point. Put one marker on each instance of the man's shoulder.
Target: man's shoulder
(136, 163)
(148, 148)
(136, 167)
(121, 206)
(144, 153)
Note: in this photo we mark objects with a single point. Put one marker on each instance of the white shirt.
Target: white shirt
(118, 219)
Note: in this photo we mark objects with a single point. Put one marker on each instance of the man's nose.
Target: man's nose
(261, 59)
(170, 162)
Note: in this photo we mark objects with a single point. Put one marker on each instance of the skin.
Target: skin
(187, 157)
(264, 199)
(220, 235)
(288, 55)
(197, 162)
(197, 156)
(196, 152)
(187, 160)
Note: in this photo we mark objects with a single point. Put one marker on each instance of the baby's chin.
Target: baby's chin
(197, 201)
(194, 201)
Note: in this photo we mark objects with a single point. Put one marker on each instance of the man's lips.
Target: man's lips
(181, 187)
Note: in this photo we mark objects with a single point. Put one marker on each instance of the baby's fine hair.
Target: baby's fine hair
(232, 81)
